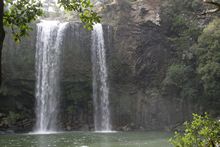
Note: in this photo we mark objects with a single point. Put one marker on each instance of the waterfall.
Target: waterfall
(48, 56)
(100, 84)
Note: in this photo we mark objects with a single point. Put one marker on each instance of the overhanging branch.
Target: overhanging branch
(217, 9)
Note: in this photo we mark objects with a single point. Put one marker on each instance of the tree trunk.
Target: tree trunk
(2, 36)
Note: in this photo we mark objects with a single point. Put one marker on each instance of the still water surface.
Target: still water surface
(88, 139)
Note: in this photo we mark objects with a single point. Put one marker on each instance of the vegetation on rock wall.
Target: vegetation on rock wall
(193, 70)
(207, 52)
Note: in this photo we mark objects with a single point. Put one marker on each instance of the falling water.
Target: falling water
(48, 54)
(100, 84)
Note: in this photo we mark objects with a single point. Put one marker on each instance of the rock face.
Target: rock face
(137, 55)
(137, 65)
(76, 107)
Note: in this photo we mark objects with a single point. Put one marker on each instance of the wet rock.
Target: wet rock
(68, 128)
(126, 128)
(143, 12)
(141, 128)
(84, 128)
(9, 132)
(2, 115)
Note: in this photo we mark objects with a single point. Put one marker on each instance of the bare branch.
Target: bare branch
(212, 10)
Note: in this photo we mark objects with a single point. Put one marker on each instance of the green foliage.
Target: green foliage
(208, 54)
(12, 118)
(175, 75)
(19, 14)
(201, 132)
(183, 6)
(182, 28)
(84, 7)
(193, 71)
(178, 14)
(181, 79)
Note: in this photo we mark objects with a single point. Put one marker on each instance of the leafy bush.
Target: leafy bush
(180, 80)
(201, 132)
(208, 55)
(175, 75)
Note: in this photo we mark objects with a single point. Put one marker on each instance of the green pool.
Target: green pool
(88, 139)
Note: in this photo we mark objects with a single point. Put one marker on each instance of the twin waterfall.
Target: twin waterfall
(48, 59)
(50, 36)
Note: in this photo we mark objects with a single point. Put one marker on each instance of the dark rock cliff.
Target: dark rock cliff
(137, 66)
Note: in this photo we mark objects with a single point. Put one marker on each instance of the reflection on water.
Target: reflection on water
(87, 139)
(105, 142)
(42, 141)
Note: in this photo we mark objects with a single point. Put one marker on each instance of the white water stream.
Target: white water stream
(100, 81)
(48, 56)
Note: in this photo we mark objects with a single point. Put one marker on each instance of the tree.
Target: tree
(207, 52)
(181, 82)
(201, 132)
(84, 7)
(18, 14)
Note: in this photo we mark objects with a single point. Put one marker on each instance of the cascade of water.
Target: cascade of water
(48, 54)
(100, 85)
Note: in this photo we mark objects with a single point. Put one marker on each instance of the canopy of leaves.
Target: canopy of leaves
(175, 75)
(182, 32)
(178, 14)
(19, 14)
(193, 71)
(201, 132)
(208, 54)
(84, 7)
(180, 79)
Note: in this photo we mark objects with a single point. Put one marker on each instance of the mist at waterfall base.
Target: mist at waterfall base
(88, 139)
